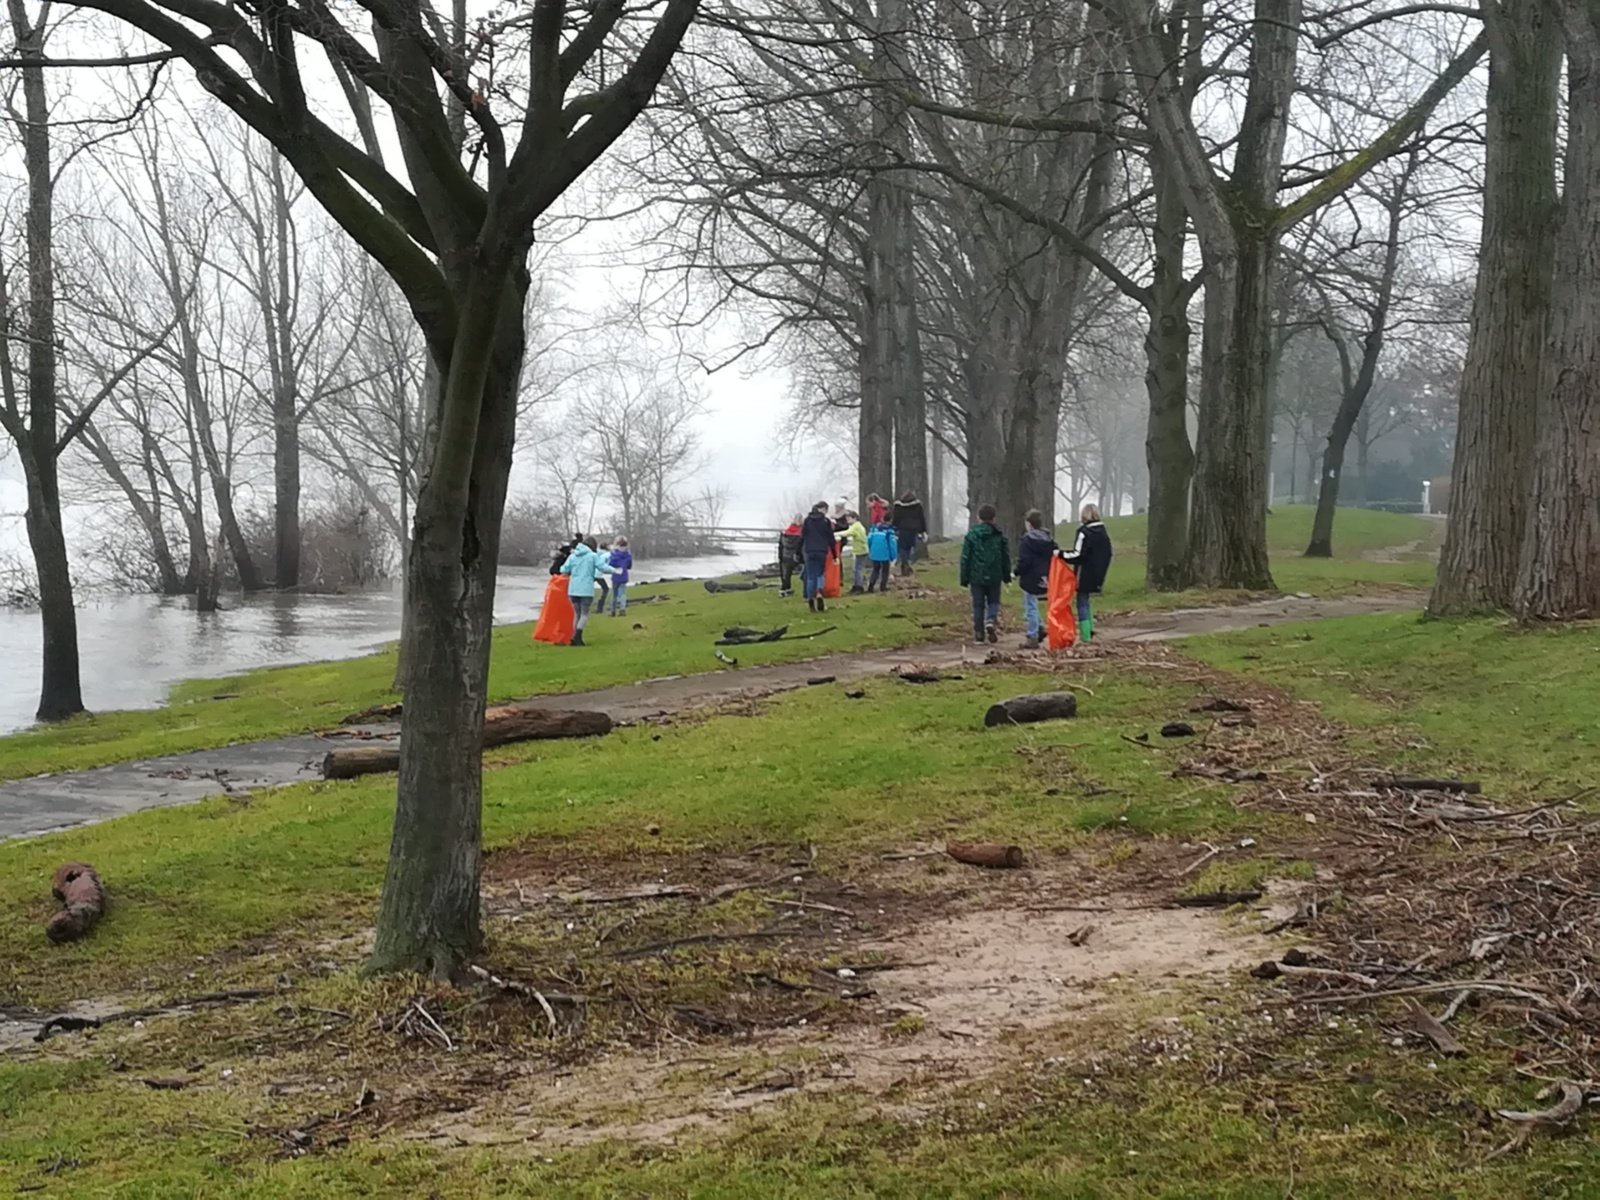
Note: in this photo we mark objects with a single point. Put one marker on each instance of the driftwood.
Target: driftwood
(985, 854)
(380, 712)
(1570, 1104)
(1218, 899)
(1177, 729)
(1219, 704)
(915, 676)
(1023, 710)
(1461, 787)
(741, 635)
(716, 585)
(1430, 1027)
(501, 726)
(780, 634)
(83, 900)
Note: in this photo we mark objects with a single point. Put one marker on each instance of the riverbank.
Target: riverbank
(135, 648)
(726, 957)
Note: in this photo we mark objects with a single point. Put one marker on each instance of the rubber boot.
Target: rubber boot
(577, 638)
(1086, 630)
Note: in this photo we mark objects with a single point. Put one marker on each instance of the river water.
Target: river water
(133, 648)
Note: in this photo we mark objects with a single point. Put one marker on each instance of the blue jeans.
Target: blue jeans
(1084, 611)
(861, 570)
(811, 577)
(619, 599)
(1030, 614)
(908, 547)
(985, 607)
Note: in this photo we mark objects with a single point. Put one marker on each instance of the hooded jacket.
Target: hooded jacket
(909, 519)
(985, 557)
(621, 564)
(882, 544)
(789, 544)
(817, 535)
(856, 534)
(1091, 556)
(583, 564)
(1033, 561)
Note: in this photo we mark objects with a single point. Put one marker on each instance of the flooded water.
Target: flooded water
(133, 648)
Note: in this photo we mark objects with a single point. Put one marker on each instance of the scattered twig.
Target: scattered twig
(1211, 852)
(812, 904)
(1433, 1029)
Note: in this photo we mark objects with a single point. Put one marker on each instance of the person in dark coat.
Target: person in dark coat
(910, 526)
(1090, 556)
(789, 559)
(985, 567)
(817, 541)
(1033, 572)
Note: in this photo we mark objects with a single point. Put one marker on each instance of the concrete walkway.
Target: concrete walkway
(50, 802)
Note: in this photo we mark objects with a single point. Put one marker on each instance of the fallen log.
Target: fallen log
(83, 900)
(1219, 704)
(716, 585)
(501, 726)
(380, 712)
(1177, 729)
(985, 854)
(1461, 787)
(1024, 710)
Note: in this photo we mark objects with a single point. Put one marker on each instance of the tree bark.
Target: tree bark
(1560, 566)
(1228, 523)
(1491, 474)
(428, 920)
(60, 686)
(1169, 457)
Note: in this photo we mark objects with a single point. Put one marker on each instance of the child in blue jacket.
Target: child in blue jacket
(883, 548)
(585, 565)
(621, 564)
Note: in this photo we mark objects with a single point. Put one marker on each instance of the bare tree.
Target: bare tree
(454, 237)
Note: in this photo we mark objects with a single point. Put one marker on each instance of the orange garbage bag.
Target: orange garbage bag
(1061, 617)
(832, 578)
(557, 618)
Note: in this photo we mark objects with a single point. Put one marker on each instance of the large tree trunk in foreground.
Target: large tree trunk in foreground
(1169, 457)
(428, 920)
(60, 688)
(1228, 524)
(1490, 477)
(1560, 568)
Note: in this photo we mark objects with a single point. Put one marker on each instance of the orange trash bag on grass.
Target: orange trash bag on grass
(832, 578)
(1061, 612)
(557, 618)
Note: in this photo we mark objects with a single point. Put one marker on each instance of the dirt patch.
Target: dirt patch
(961, 997)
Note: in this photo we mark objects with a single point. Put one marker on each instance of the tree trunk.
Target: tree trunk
(1560, 568)
(1228, 526)
(286, 490)
(285, 387)
(60, 687)
(875, 426)
(428, 920)
(933, 508)
(1490, 477)
(1169, 457)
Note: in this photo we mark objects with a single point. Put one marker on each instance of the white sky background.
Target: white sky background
(743, 448)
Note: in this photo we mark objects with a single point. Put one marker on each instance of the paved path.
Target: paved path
(48, 802)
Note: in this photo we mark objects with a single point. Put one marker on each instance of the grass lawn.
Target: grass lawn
(1200, 1104)
(676, 638)
(1519, 707)
(1360, 536)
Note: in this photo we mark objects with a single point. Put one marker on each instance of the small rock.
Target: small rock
(846, 973)
(653, 829)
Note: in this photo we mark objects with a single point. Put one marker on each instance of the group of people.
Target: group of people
(584, 567)
(986, 567)
(889, 535)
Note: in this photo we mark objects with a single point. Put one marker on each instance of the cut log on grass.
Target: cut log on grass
(985, 854)
(367, 716)
(1460, 787)
(1177, 729)
(83, 901)
(1024, 710)
(501, 726)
